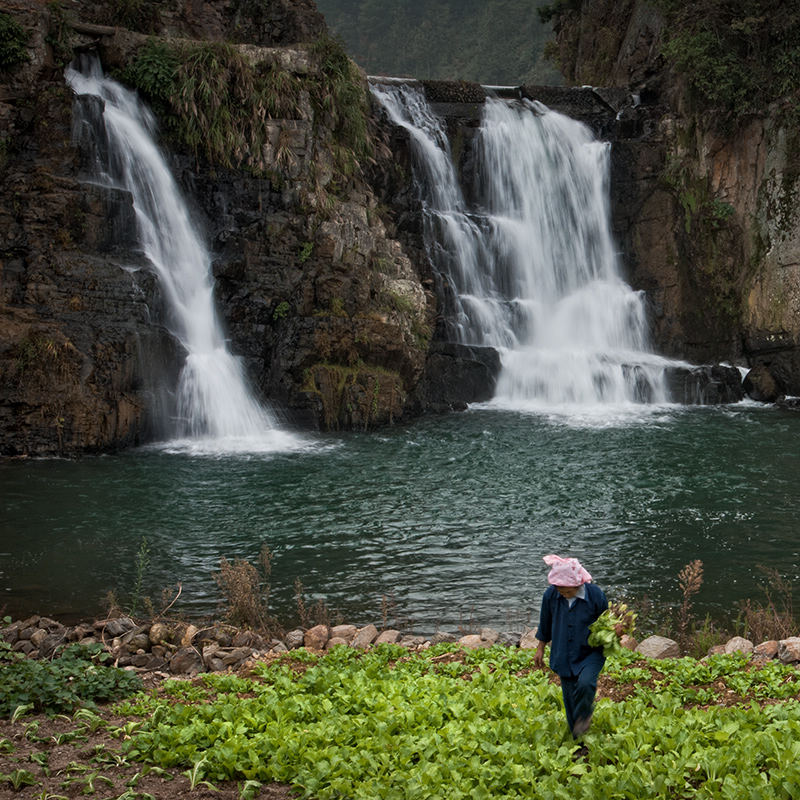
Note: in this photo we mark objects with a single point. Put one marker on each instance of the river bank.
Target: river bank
(164, 647)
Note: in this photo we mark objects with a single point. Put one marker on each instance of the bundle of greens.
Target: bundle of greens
(613, 623)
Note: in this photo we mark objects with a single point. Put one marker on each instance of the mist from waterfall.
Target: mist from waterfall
(529, 266)
(215, 409)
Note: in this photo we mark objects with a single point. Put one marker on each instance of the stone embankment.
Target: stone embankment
(179, 648)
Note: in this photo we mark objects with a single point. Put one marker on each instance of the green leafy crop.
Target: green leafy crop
(450, 723)
(76, 678)
(606, 630)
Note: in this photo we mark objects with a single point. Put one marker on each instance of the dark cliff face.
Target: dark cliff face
(703, 193)
(331, 313)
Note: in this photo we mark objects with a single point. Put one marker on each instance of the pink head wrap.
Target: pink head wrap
(566, 571)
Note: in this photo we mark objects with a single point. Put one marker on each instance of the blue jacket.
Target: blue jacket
(567, 630)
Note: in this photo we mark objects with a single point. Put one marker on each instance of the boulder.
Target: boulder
(186, 661)
(316, 638)
(116, 627)
(739, 645)
(336, 640)
(767, 649)
(158, 633)
(346, 632)
(489, 635)
(294, 639)
(658, 647)
(528, 640)
(789, 650)
(390, 636)
(412, 641)
(759, 384)
(628, 642)
(365, 637)
(474, 641)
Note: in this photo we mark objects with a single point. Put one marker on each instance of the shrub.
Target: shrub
(13, 43)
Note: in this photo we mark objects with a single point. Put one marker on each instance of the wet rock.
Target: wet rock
(739, 644)
(789, 650)
(317, 637)
(760, 385)
(364, 637)
(658, 647)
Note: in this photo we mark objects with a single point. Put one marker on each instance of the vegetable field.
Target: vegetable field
(449, 723)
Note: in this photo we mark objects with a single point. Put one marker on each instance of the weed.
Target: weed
(246, 589)
(309, 614)
(142, 563)
(690, 579)
(281, 311)
(776, 618)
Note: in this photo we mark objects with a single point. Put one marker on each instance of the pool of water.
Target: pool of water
(442, 523)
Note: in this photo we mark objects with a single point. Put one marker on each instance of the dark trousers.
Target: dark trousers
(578, 692)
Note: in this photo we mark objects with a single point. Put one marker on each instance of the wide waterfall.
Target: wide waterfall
(214, 405)
(529, 265)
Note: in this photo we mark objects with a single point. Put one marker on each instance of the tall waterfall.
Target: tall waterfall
(530, 264)
(213, 401)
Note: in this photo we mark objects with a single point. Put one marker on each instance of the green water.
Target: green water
(447, 519)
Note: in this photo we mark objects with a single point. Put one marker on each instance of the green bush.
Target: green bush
(13, 43)
(78, 677)
(737, 55)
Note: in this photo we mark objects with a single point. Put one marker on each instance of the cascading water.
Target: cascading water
(532, 266)
(214, 404)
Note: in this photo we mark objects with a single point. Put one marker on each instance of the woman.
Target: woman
(569, 606)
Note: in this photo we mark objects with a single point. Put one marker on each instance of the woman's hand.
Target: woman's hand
(538, 658)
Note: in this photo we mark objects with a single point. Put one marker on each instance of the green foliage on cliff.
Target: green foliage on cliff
(219, 103)
(737, 55)
(13, 43)
(500, 42)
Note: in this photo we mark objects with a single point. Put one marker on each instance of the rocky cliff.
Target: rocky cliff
(706, 184)
(325, 304)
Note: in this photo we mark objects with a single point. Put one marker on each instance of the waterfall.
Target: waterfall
(214, 404)
(529, 266)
